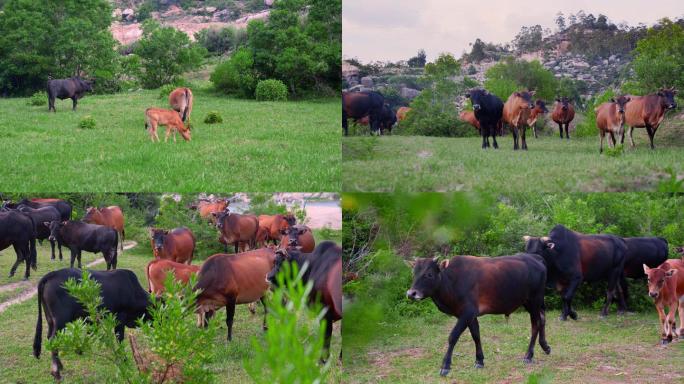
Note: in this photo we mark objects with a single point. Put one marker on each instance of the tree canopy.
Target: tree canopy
(659, 57)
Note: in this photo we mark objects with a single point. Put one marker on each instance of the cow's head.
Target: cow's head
(476, 97)
(91, 215)
(564, 102)
(158, 236)
(293, 234)
(541, 106)
(539, 245)
(54, 227)
(219, 216)
(426, 278)
(290, 218)
(657, 278)
(621, 102)
(86, 86)
(281, 256)
(526, 101)
(668, 97)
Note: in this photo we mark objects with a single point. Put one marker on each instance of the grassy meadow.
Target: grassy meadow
(418, 163)
(260, 146)
(18, 327)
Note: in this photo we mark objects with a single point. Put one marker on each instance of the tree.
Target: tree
(529, 39)
(219, 41)
(477, 53)
(166, 53)
(659, 57)
(501, 78)
(236, 75)
(560, 21)
(419, 60)
(54, 38)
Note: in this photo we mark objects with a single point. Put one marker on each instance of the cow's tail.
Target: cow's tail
(123, 236)
(33, 253)
(37, 340)
(149, 280)
(187, 105)
(147, 119)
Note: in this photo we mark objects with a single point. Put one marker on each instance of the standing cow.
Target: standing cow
(111, 217)
(276, 224)
(180, 100)
(39, 216)
(648, 112)
(488, 111)
(666, 287)
(73, 88)
(563, 114)
(516, 112)
(79, 236)
(64, 207)
(236, 229)
(610, 118)
(468, 287)
(158, 269)
(387, 120)
(176, 245)
(651, 251)
(298, 236)
(18, 230)
(538, 110)
(356, 105)
(158, 116)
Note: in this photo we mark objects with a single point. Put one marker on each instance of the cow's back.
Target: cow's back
(15, 228)
(642, 109)
(651, 251)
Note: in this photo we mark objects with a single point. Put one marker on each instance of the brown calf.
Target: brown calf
(207, 209)
(111, 217)
(239, 230)
(648, 112)
(177, 245)
(169, 118)
(159, 268)
(516, 112)
(469, 117)
(610, 118)
(276, 224)
(563, 113)
(180, 100)
(299, 236)
(402, 112)
(666, 287)
(539, 109)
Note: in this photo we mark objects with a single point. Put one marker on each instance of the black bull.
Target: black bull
(356, 105)
(73, 88)
(18, 229)
(488, 111)
(79, 236)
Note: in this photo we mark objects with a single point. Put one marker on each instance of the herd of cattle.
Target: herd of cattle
(261, 243)
(491, 115)
(174, 119)
(468, 287)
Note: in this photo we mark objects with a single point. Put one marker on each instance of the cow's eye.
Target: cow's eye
(429, 275)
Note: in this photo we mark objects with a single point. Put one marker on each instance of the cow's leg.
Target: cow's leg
(59, 246)
(236, 245)
(114, 257)
(263, 302)
(680, 331)
(474, 328)
(74, 99)
(52, 247)
(602, 135)
(534, 129)
(456, 332)
(484, 139)
(79, 259)
(168, 133)
(326, 341)
(56, 365)
(27, 259)
(534, 329)
(496, 145)
(524, 142)
(542, 329)
(567, 130)
(624, 294)
(631, 139)
(514, 129)
(611, 292)
(73, 258)
(345, 123)
(568, 295)
(230, 315)
(663, 319)
(119, 331)
(612, 142)
(17, 250)
(651, 132)
(560, 129)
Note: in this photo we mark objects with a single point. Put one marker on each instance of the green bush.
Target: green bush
(87, 122)
(38, 99)
(165, 90)
(235, 75)
(271, 90)
(213, 117)
(588, 126)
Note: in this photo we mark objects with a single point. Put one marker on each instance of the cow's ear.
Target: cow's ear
(516, 93)
(612, 100)
(557, 99)
(628, 99)
(46, 223)
(671, 273)
(443, 264)
(550, 245)
(467, 95)
(646, 269)
(410, 263)
(527, 238)
(674, 91)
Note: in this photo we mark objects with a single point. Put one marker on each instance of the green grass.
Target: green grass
(617, 349)
(416, 163)
(18, 328)
(260, 146)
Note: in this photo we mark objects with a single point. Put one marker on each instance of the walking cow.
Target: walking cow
(79, 236)
(488, 111)
(73, 88)
(516, 113)
(111, 217)
(648, 112)
(236, 229)
(17, 230)
(563, 114)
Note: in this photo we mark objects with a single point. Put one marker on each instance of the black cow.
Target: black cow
(356, 105)
(651, 251)
(325, 271)
(17, 229)
(64, 207)
(40, 216)
(488, 111)
(73, 88)
(121, 293)
(468, 287)
(79, 236)
(387, 119)
(572, 257)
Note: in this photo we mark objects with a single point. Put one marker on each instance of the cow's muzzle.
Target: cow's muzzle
(477, 107)
(672, 106)
(51, 238)
(653, 294)
(414, 295)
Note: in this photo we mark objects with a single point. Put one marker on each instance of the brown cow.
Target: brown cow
(239, 230)
(666, 287)
(207, 208)
(228, 280)
(469, 117)
(180, 100)
(158, 269)
(356, 105)
(169, 118)
(276, 224)
(610, 118)
(648, 112)
(262, 236)
(177, 245)
(298, 236)
(111, 217)
(402, 112)
(563, 113)
(516, 112)
(539, 109)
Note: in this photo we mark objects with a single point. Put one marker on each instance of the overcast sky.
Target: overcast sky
(396, 29)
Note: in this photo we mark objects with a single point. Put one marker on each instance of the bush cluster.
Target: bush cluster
(38, 99)
(271, 90)
(87, 122)
(213, 117)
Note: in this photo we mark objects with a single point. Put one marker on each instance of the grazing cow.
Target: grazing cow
(356, 105)
(64, 207)
(610, 118)
(402, 112)
(276, 224)
(73, 88)
(111, 217)
(39, 216)
(176, 245)
(169, 118)
(539, 109)
(206, 208)
(468, 287)
(325, 272)
(469, 117)
(79, 236)
(237, 229)
(157, 270)
(228, 280)
(563, 113)
(18, 230)
(180, 100)
(387, 120)
(516, 112)
(121, 293)
(572, 257)
(651, 251)
(300, 237)
(648, 112)
(666, 287)
(488, 111)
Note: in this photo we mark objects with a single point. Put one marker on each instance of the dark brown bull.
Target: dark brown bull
(648, 112)
(356, 105)
(468, 287)
(111, 217)
(73, 88)
(176, 245)
(239, 230)
(516, 112)
(300, 237)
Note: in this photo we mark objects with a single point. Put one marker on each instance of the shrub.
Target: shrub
(165, 90)
(87, 122)
(271, 90)
(38, 99)
(213, 117)
(588, 126)
(235, 75)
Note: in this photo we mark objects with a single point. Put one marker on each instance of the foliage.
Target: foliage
(165, 90)
(659, 57)
(596, 37)
(54, 38)
(220, 41)
(296, 329)
(37, 99)
(482, 51)
(236, 75)
(418, 61)
(525, 75)
(588, 126)
(529, 39)
(213, 117)
(166, 53)
(87, 122)
(271, 90)
(144, 11)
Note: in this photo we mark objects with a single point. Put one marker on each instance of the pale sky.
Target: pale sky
(396, 29)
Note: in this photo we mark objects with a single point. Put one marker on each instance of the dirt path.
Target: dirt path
(28, 294)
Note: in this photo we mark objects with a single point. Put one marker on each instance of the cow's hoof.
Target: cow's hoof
(34, 267)
(573, 315)
(563, 318)
(527, 360)
(479, 364)
(25, 278)
(444, 371)
(664, 342)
